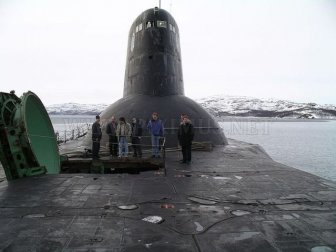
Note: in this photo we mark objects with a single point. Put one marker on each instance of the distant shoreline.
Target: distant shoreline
(268, 119)
(77, 115)
(226, 118)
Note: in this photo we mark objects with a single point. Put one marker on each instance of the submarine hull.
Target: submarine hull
(169, 109)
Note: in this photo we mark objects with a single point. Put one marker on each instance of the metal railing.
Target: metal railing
(105, 152)
(146, 148)
(71, 134)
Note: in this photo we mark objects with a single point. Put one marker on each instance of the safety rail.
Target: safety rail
(81, 160)
(76, 132)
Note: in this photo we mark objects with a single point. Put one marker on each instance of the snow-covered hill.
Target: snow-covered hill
(247, 106)
(225, 106)
(75, 109)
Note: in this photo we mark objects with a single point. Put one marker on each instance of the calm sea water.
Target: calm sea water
(307, 145)
(70, 122)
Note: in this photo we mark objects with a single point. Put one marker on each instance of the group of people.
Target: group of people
(121, 132)
(119, 135)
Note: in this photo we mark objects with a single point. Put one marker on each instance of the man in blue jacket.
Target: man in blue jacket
(155, 127)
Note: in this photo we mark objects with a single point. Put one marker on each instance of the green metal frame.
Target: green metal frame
(28, 144)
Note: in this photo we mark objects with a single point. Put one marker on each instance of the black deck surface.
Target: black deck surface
(234, 198)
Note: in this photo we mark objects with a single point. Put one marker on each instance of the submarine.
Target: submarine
(154, 81)
(232, 198)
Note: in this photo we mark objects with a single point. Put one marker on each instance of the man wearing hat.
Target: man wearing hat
(96, 137)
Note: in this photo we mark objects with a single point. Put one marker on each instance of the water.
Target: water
(70, 122)
(68, 127)
(307, 145)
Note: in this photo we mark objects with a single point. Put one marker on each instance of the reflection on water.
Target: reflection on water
(307, 145)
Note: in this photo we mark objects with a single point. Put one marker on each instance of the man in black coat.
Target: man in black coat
(185, 136)
(113, 140)
(96, 137)
(136, 137)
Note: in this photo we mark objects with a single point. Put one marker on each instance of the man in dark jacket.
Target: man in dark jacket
(155, 127)
(113, 140)
(185, 136)
(96, 137)
(136, 137)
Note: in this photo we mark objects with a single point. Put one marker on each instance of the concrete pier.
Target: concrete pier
(235, 198)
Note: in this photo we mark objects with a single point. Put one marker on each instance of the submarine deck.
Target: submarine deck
(235, 198)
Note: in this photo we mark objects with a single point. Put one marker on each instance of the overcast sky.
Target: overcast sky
(75, 50)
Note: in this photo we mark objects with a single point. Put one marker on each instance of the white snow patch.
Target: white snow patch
(217, 177)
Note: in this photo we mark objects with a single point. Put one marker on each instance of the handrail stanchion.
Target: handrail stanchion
(164, 155)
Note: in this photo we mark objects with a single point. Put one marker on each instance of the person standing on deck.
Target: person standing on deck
(156, 129)
(111, 129)
(185, 137)
(136, 137)
(96, 137)
(123, 133)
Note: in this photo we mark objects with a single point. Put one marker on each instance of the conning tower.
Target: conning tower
(154, 80)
